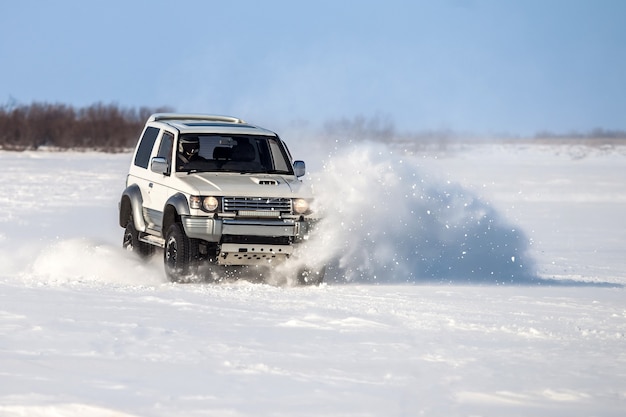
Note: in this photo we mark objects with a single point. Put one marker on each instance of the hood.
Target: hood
(242, 185)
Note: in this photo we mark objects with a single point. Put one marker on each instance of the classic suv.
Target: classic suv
(214, 191)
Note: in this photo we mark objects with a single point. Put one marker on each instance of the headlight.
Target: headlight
(205, 203)
(300, 206)
(210, 203)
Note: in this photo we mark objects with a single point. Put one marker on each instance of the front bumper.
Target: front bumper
(212, 229)
(248, 239)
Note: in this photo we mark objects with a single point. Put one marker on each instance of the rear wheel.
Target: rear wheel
(132, 243)
(180, 255)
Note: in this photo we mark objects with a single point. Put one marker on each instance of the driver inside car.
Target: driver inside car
(188, 148)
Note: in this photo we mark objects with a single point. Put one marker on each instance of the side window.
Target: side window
(142, 159)
(165, 149)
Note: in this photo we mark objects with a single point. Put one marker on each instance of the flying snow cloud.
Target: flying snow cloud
(383, 220)
(82, 259)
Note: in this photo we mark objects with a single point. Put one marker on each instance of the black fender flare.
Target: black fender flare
(131, 203)
(175, 206)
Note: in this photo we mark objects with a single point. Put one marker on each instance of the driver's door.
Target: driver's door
(158, 187)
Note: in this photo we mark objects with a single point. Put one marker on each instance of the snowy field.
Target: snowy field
(477, 280)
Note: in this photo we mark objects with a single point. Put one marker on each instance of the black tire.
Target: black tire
(180, 255)
(132, 243)
(311, 276)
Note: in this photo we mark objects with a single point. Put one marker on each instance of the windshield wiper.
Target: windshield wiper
(278, 171)
(252, 172)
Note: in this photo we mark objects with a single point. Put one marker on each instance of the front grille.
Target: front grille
(252, 204)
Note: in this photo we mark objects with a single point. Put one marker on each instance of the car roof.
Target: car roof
(207, 123)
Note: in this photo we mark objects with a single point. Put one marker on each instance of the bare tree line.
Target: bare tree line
(382, 129)
(105, 127)
(111, 128)
(597, 133)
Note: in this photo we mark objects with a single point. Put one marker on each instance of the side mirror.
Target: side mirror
(160, 166)
(299, 168)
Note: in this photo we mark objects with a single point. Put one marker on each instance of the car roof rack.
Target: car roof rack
(183, 116)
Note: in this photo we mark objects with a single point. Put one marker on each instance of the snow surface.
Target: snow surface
(476, 280)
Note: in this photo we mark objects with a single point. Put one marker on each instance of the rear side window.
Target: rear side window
(142, 159)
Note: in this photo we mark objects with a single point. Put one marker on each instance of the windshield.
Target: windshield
(231, 153)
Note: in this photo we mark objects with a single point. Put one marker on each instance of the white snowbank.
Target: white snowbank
(87, 329)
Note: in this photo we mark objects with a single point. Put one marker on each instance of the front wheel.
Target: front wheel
(180, 255)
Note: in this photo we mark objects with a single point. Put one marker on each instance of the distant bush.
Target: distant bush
(103, 127)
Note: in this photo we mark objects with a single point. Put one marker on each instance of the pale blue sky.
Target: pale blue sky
(469, 65)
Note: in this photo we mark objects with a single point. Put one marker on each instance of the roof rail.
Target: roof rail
(183, 116)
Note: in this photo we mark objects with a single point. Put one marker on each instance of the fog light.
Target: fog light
(300, 206)
(194, 202)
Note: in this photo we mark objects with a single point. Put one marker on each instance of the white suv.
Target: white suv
(214, 192)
